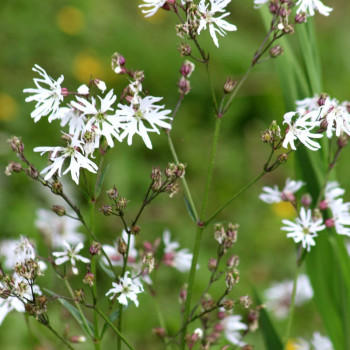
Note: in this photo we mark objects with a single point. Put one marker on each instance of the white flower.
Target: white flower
(127, 289)
(273, 195)
(74, 118)
(101, 85)
(337, 117)
(60, 154)
(98, 121)
(304, 229)
(154, 6)
(115, 257)
(83, 90)
(332, 192)
(278, 297)
(320, 342)
(70, 254)
(300, 129)
(47, 98)
(132, 119)
(232, 328)
(259, 3)
(209, 19)
(340, 217)
(180, 259)
(309, 6)
(58, 229)
(9, 304)
(307, 105)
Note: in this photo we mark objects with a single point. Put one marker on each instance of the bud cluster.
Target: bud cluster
(119, 206)
(184, 83)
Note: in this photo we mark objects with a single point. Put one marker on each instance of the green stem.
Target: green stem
(78, 307)
(183, 179)
(292, 307)
(114, 328)
(199, 232)
(59, 337)
(218, 211)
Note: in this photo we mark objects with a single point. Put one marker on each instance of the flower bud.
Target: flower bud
(13, 167)
(230, 281)
(322, 100)
(184, 86)
(122, 203)
(160, 332)
(118, 61)
(306, 200)
(95, 248)
(79, 295)
(187, 68)
(112, 193)
(323, 205)
(89, 279)
(106, 209)
(282, 158)
(184, 49)
(300, 17)
(219, 233)
(16, 145)
(148, 262)
(329, 222)
(135, 230)
(172, 189)
(233, 261)
(57, 187)
(246, 301)
(342, 141)
(64, 92)
(228, 304)
(76, 339)
(276, 51)
(59, 210)
(122, 247)
(32, 172)
(101, 85)
(212, 264)
(229, 85)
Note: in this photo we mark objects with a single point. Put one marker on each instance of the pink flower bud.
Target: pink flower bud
(329, 223)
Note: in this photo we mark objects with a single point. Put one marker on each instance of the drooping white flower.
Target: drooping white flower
(153, 6)
(127, 288)
(232, 327)
(278, 297)
(320, 342)
(309, 7)
(300, 130)
(216, 24)
(132, 119)
(180, 259)
(259, 3)
(274, 195)
(98, 121)
(307, 105)
(304, 229)
(340, 217)
(58, 229)
(337, 117)
(58, 155)
(70, 253)
(48, 95)
(332, 192)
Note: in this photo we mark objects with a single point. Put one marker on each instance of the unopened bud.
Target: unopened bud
(76, 339)
(135, 230)
(101, 85)
(89, 279)
(187, 68)
(16, 144)
(13, 167)
(219, 233)
(112, 193)
(32, 172)
(323, 205)
(228, 304)
(57, 187)
(148, 261)
(230, 281)
(79, 295)
(300, 17)
(184, 86)
(122, 247)
(64, 92)
(172, 189)
(288, 29)
(95, 248)
(229, 85)
(306, 200)
(212, 264)
(329, 222)
(273, 7)
(233, 261)
(106, 209)
(184, 49)
(160, 332)
(183, 295)
(342, 141)
(282, 158)
(276, 51)
(59, 210)
(118, 61)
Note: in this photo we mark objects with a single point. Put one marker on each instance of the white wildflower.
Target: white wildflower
(70, 254)
(58, 229)
(278, 297)
(127, 288)
(274, 195)
(320, 342)
(259, 3)
(309, 7)
(180, 259)
(304, 230)
(300, 129)
(132, 119)
(48, 98)
(153, 6)
(216, 24)
(60, 154)
(232, 329)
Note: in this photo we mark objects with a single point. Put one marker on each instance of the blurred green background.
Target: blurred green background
(77, 39)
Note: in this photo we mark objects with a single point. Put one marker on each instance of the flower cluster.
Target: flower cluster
(310, 222)
(91, 120)
(207, 14)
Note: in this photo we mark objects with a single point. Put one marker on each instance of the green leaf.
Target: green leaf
(89, 330)
(112, 317)
(107, 270)
(271, 337)
(189, 209)
(100, 179)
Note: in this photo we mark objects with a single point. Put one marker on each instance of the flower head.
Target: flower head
(320, 342)
(70, 253)
(48, 98)
(216, 24)
(309, 7)
(153, 6)
(304, 229)
(233, 327)
(127, 289)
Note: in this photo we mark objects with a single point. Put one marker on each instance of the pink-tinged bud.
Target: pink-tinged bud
(77, 339)
(218, 327)
(187, 68)
(64, 92)
(221, 315)
(148, 246)
(342, 141)
(300, 18)
(322, 100)
(166, 7)
(273, 7)
(288, 196)
(184, 86)
(329, 223)
(276, 51)
(59, 210)
(323, 205)
(183, 295)
(212, 264)
(95, 248)
(160, 332)
(306, 200)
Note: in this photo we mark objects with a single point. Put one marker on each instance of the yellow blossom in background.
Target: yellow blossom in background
(284, 210)
(8, 107)
(70, 20)
(86, 66)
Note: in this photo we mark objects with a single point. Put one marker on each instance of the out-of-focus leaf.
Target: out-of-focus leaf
(189, 209)
(112, 317)
(100, 180)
